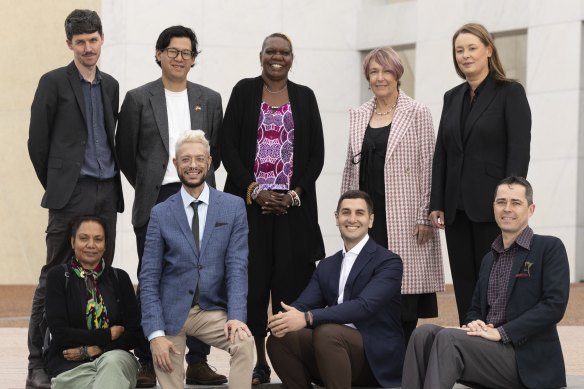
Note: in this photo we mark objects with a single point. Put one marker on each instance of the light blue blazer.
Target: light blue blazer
(171, 268)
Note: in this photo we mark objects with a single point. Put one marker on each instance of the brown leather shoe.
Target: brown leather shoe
(201, 373)
(146, 376)
(38, 379)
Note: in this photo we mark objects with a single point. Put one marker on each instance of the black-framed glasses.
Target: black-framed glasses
(173, 53)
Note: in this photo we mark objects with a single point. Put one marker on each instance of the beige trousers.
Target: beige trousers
(207, 326)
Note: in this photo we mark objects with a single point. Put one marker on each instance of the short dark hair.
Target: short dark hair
(356, 194)
(278, 35)
(76, 223)
(176, 32)
(511, 180)
(82, 21)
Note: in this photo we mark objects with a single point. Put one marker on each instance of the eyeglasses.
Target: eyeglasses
(173, 53)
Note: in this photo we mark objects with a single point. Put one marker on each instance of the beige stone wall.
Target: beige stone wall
(32, 43)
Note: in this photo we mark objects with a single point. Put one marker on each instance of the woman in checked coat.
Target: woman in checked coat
(390, 151)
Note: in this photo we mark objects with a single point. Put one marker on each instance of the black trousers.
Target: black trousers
(90, 197)
(273, 267)
(467, 243)
(198, 350)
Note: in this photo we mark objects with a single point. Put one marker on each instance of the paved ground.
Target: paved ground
(15, 308)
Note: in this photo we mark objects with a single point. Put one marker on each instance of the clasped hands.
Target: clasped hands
(78, 354)
(480, 328)
(161, 346)
(275, 203)
(288, 321)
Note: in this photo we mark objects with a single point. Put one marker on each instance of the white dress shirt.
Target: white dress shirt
(349, 258)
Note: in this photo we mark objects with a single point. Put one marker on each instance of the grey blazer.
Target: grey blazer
(142, 139)
(171, 268)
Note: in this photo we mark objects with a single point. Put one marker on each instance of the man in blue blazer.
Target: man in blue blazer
(194, 271)
(345, 327)
(510, 338)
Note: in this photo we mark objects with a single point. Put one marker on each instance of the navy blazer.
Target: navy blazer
(171, 268)
(58, 132)
(495, 145)
(536, 303)
(372, 302)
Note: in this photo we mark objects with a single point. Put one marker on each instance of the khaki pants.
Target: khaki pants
(113, 369)
(207, 326)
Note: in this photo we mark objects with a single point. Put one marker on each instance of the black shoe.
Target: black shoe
(38, 379)
(201, 373)
(146, 376)
(261, 375)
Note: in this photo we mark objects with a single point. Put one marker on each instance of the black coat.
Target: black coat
(65, 312)
(58, 132)
(495, 145)
(238, 139)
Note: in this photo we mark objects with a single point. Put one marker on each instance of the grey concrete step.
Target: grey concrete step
(574, 382)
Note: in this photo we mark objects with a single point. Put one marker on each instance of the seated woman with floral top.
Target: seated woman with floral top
(92, 315)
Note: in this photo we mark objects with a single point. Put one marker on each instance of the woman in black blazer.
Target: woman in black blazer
(92, 315)
(484, 136)
(272, 147)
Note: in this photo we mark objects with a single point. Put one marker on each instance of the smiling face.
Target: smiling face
(512, 211)
(89, 244)
(86, 49)
(382, 81)
(192, 163)
(354, 221)
(276, 59)
(472, 56)
(176, 69)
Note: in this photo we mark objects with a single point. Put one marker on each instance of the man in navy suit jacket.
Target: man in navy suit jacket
(194, 271)
(345, 327)
(510, 339)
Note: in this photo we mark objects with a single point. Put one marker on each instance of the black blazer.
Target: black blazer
(535, 305)
(238, 137)
(65, 310)
(58, 132)
(495, 145)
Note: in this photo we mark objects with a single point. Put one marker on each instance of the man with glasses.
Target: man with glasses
(71, 146)
(151, 119)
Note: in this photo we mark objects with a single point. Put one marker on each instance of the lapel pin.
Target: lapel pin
(197, 108)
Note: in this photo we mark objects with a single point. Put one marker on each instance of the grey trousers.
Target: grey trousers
(438, 357)
(90, 197)
(113, 369)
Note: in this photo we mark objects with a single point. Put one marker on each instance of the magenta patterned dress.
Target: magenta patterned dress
(274, 152)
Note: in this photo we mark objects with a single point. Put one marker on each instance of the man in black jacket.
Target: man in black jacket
(71, 146)
(510, 338)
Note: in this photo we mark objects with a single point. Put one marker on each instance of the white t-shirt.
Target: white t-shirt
(179, 121)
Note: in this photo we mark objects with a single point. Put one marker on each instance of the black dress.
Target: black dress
(372, 181)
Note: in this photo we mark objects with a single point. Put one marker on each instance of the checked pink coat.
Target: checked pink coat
(408, 174)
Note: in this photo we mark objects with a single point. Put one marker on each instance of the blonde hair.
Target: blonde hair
(192, 136)
(478, 30)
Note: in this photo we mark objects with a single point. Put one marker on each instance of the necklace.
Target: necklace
(275, 92)
(386, 112)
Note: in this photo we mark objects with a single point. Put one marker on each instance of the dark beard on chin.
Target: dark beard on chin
(189, 184)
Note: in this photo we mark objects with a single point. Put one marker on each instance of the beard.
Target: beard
(192, 184)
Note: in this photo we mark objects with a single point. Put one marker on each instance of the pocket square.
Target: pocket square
(219, 224)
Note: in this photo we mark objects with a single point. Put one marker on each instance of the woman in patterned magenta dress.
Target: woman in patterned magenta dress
(273, 150)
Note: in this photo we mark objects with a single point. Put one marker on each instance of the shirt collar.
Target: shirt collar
(358, 247)
(523, 240)
(97, 78)
(480, 87)
(187, 199)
